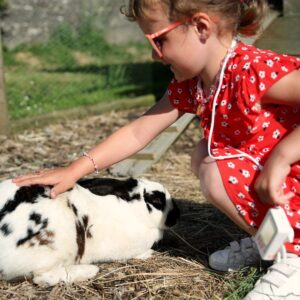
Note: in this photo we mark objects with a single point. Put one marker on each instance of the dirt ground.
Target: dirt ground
(179, 268)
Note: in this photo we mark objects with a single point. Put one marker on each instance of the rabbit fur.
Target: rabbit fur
(98, 220)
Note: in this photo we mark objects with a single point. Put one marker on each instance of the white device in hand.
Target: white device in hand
(274, 231)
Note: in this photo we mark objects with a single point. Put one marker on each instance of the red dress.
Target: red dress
(241, 124)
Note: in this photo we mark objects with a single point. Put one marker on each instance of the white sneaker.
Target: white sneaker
(237, 255)
(282, 281)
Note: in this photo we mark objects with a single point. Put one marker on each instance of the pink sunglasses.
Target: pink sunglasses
(156, 44)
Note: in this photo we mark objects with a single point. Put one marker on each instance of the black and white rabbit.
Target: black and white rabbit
(96, 221)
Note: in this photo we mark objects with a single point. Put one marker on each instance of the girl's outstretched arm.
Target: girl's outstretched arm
(269, 184)
(123, 143)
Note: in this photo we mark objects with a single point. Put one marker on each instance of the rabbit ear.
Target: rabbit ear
(173, 215)
(124, 189)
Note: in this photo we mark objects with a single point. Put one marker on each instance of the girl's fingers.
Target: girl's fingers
(30, 175)
(277, 198)
(60, 188)
(20, 178)
(284, 199)
(56, 190)
(24, 179)
(53, 193)
(40, 172)
(41, 179)
(56, 178)
(30, 181)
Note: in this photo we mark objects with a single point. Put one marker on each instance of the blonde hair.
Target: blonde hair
(243, 17)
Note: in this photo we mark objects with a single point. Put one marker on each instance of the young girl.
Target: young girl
(248, 103)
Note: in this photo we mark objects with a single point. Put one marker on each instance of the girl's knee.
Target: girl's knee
(210, 179)
(206, 169)
(198, 156)
(195, 167)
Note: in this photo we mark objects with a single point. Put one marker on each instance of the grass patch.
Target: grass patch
(242, 282)
(77, 68)
(3, 5)
(39, 92)
(59, 51)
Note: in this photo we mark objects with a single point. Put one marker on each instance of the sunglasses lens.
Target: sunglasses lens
(158, 44)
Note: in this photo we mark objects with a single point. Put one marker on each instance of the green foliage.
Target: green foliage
(58, 52)
(75, 68)
(3, 4)
(63, 35)
(88, 38)
(243, 283)
(40, 93)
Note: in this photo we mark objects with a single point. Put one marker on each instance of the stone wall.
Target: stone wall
(30, 21)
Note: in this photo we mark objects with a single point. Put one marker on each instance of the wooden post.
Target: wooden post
(3, 104)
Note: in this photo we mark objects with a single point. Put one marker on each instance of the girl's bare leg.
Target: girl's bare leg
(211, 184)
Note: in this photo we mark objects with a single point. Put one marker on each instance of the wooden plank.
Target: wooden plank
(180, 124)
(157, 146)
(131, 167)
(162, 142)
(143, 160)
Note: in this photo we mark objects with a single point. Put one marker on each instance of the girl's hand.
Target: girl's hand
(61, 179)
(269, 184)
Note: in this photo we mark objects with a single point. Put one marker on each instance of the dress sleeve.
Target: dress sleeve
(256, 75)
(182, 95)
